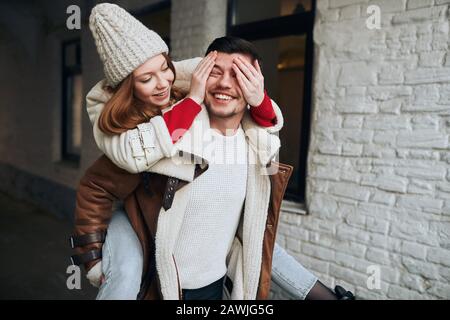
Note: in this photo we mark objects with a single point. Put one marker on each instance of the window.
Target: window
(281, 30)
(72, 100)
(157, 18)
(244, 10)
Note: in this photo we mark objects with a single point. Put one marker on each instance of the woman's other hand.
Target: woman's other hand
(250, 80)
(199, 77)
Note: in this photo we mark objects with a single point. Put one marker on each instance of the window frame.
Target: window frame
(295, 24)
(68, 72)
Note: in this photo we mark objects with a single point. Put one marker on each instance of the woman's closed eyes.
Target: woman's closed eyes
(163, 69)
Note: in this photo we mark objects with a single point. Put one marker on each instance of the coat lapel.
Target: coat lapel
(169, 225)
(254, 224)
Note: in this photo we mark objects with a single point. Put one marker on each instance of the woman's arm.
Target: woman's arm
(138, 149)
(267, 115)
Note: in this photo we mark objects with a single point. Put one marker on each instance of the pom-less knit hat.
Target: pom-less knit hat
(122, 41)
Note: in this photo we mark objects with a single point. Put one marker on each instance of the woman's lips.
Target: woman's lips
(161, 96)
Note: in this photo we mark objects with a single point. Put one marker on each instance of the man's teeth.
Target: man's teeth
(222, 97)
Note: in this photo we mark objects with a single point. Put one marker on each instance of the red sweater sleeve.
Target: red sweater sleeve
(264, 114)
(181, 117)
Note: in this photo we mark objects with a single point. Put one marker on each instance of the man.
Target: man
(216, 230)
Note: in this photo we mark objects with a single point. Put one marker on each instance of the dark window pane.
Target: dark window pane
(74, 105)
(283, 67)
(77, 104)
(70, 59)
(255, 10)
(72, 101)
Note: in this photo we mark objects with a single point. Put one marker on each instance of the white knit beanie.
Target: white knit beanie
(122, 41)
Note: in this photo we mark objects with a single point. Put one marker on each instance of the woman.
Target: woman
(137, 98)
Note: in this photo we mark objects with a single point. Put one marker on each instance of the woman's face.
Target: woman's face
(153, 82)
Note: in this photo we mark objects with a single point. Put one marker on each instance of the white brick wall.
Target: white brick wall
(379, 164)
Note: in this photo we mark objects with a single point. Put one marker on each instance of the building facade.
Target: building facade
(365, 89)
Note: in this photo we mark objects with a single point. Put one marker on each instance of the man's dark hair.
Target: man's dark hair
(234, 45)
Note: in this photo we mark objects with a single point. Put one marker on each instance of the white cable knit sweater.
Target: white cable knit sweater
(213, 211)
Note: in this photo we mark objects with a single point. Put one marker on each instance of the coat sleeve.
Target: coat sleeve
(138, 149)
(102, 183)
(125, 150)
(268, 115)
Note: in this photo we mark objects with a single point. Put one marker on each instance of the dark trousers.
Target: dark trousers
(212, 291)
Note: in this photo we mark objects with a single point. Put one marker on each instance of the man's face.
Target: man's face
(224, 98)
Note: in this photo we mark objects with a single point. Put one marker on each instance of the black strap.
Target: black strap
(86, 257)
(88, 238)
(171, 187)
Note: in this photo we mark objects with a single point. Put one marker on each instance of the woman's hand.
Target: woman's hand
(250, 80)
(199, 77)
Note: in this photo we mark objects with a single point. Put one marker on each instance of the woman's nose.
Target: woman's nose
(162, 82)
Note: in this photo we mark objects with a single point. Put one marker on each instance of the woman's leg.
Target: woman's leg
(290, 275)
(122, 260)
(300, 283)
(321, 292)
